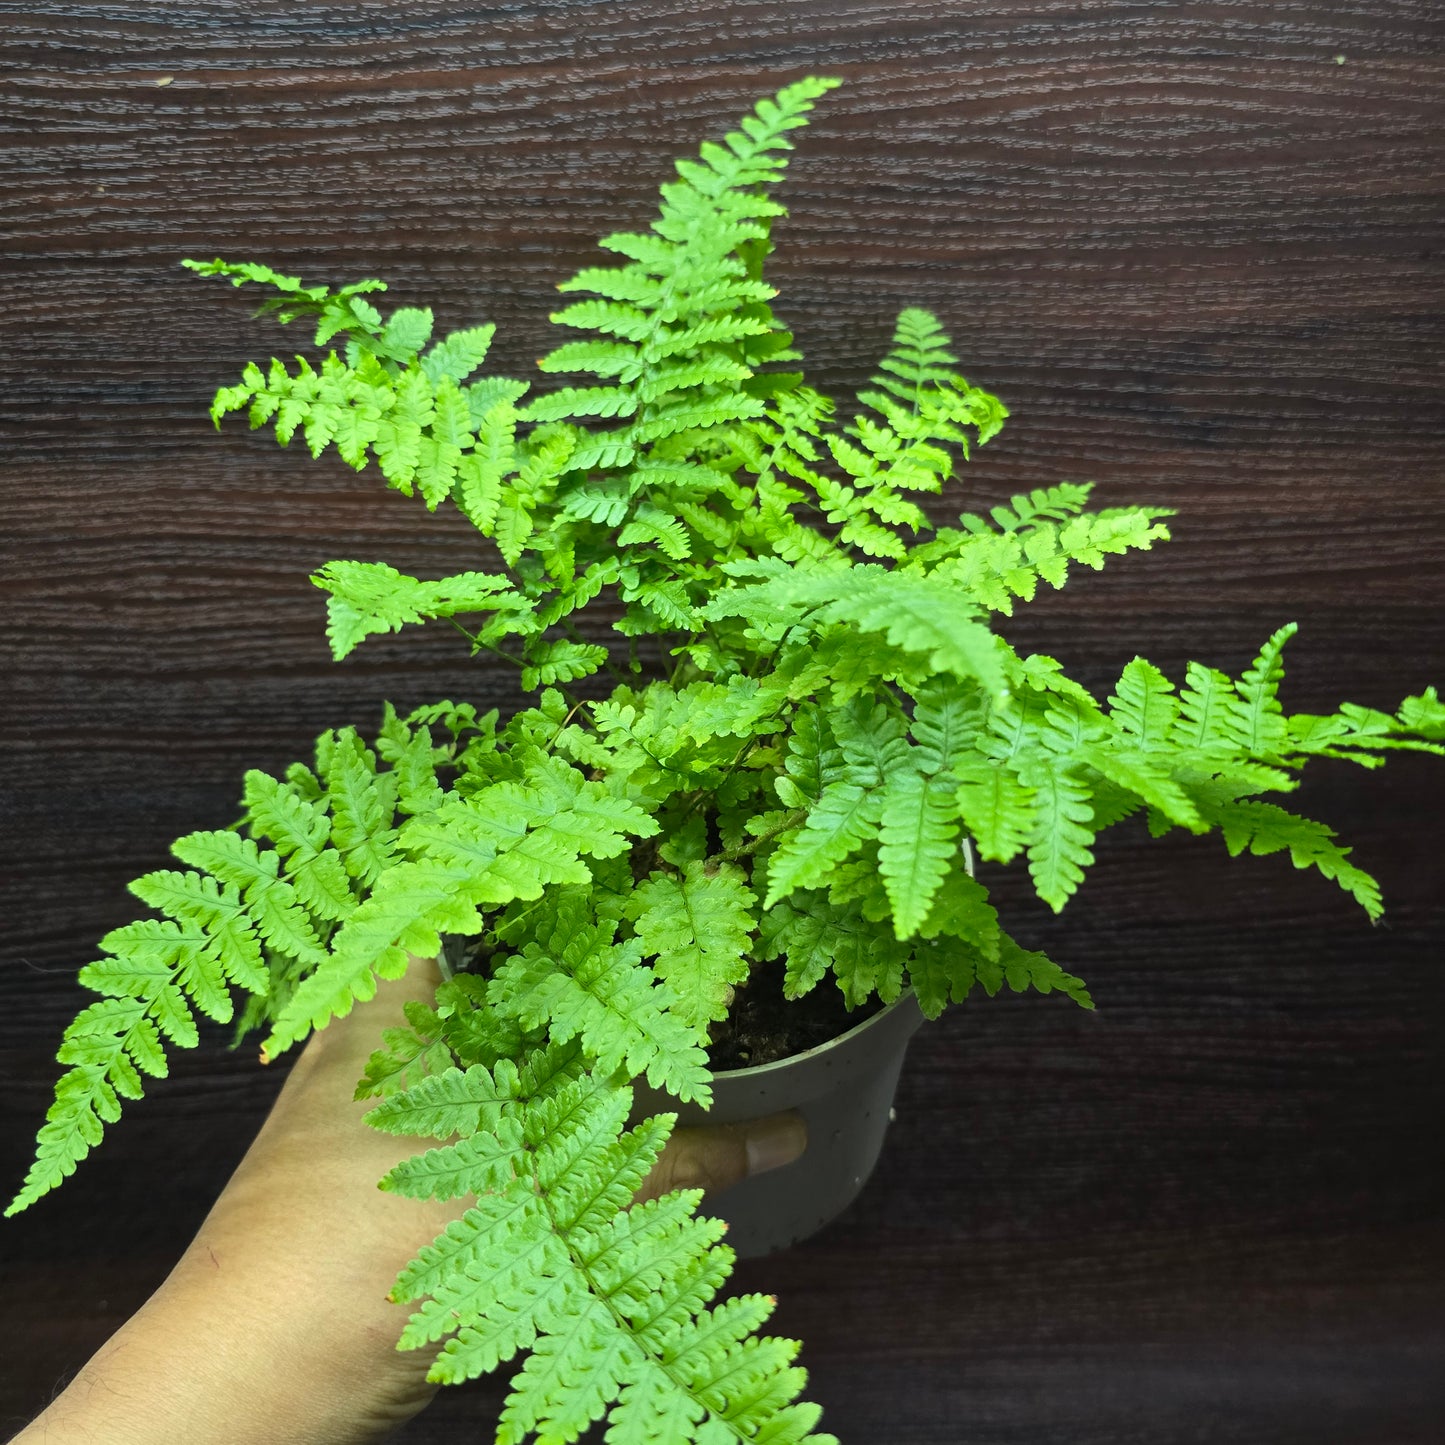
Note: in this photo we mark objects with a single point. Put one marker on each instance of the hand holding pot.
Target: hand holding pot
(275, 1322)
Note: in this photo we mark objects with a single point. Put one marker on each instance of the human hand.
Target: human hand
(275, 1324)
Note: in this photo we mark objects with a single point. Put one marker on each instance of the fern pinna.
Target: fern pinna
(836, 731)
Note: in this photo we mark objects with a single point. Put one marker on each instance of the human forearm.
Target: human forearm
(179, 1374)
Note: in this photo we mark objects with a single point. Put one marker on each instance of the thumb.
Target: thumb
(714, 1157)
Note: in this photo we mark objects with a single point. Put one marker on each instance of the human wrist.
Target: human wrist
(179, 1374)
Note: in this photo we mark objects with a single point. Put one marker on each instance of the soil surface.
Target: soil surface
(762, 1026)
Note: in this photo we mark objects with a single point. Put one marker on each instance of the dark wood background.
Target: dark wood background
(1196, 247)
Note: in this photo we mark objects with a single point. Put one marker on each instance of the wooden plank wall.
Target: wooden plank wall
(1195, 246)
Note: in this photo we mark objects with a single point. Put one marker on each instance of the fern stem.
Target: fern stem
(729, 855)
(479, 646)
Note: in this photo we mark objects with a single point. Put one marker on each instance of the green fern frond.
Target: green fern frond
(301, 832)
(687, 292)
(371, 597)
(1424, 714)
(917, 839)
(947, 718)
(553, 662)
(998, 808)
(456, 357)
(337, 311)
(1140, 775)
(453, 1102)
(408, 1054)
(1263, 731)
(918, 358)
(506, 841)
(920, 394)
(363, 805)
(1044, 504)
(1059, 851)
(945, 970)
(996, 568)
(927, 615)
(1211, 711)
(613, 1307)
(1264, 828)
(427, 431)
(481, 472)
(279, 914)
(1143, 704)
(697, 929)
(578, 983)
(217, 925)
(651, 524)
(1024, 969)
(845, 816)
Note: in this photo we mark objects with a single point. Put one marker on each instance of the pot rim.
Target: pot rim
(754, 1071)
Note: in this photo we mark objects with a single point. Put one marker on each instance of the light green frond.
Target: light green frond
(1144, 706)
(613, 1303)
(1024, 969)
(917, 839)
(213, 918)
(994, 569)
(478, 1164)
(371, 597)
(341, 311)
(1044, 504)
(1059, 851)
(1212, 711)
(408, 1055)
(1424, 714)
(801, 782)
(928, 615)
(947, 716)
(697, 929)
(581, 401)
(650, 524)
(842, 819)
(998, 808)
(814, 935)
(156, 973)
(1139, 772)
(579, 984)
(1263, 731)
(457, 356)
(1264, 828)
(274, 905)
(457, 1101)
(410, 905)
(944, 971)
(561, 661)
(363, 805)
(919, 356)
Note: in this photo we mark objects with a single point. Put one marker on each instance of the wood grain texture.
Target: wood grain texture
(1198, 257)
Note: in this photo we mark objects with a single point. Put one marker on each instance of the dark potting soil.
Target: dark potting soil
(762, 1026)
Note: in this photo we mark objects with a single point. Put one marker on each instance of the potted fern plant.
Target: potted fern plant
(769, 782)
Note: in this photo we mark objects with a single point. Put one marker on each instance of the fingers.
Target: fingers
(717, 1156)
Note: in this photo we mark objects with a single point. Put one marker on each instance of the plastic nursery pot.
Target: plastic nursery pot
(844, 1091)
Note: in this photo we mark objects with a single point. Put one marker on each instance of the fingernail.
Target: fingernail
(775, 1142)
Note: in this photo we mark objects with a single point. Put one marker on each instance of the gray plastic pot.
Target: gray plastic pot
(844, 1091)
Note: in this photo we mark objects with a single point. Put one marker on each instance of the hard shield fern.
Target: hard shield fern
(837, 732)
